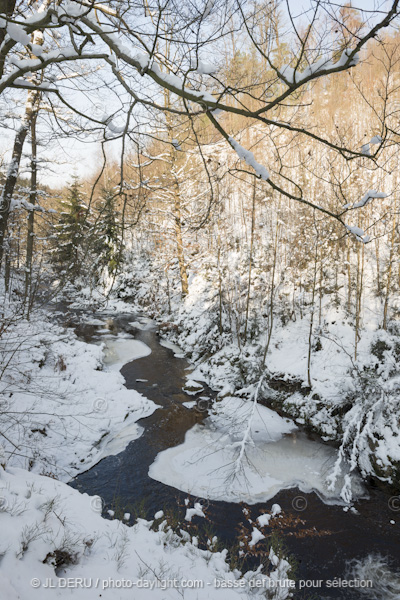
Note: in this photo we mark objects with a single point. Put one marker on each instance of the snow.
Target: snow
(191, 404)
(345, 56)
(119, 351)
(204, 464)
(293, 76)
(379, 574)
(358, 232)
(335, 383)
(275, 510)
(376, 140)
(18, 33)
(197, 510)
(264, 519)
(365, 149)
(114, 128)
(174, 347)
(171, 80)
(203, 67)
(72, 9)
(208, 8)
(143, 324)
(248, 157)
(192, 387)
(120, 441)
(368, 196)
(256, 536)
(143, 60)
(41, 517)
(37, 50)
(73, 413)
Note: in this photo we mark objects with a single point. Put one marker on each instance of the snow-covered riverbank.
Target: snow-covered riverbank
(55, 544)
(61, 405)
(73, 410)
(353, 392)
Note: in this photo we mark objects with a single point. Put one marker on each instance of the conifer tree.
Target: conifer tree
(69, 237)
(107, 230)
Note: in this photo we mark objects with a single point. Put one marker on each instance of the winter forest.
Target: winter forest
(200, 299)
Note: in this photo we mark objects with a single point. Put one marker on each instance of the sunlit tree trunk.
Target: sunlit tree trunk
(177, 212)
(310, 331)
(348, 278)
(31, 217)
(271, 298)
(253, 207)
(378, 269)
(359, 292)
(389, 273)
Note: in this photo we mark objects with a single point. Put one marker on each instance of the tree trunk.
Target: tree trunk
(11, 179)
(310, 331)
(7, 8)
(253, 207)
(179, 241)
(271, 300)
(348, 278)
(389, 274)
(31, 109)
(31, 217)
(359, 291)
(378, 270)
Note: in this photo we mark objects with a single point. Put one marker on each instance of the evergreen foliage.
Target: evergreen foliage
(70, 233)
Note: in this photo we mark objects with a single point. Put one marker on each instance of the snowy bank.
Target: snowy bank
(61, 411)
(55, 544)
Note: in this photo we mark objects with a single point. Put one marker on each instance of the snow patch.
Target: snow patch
(118, 352)
(203, 465)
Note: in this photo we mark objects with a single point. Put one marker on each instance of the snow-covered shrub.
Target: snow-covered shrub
(370, 425)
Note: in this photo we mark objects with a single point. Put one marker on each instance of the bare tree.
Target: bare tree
(324, 42)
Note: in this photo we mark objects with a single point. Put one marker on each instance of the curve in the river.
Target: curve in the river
(323, 538)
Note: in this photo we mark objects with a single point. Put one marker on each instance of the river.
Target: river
(323, 538)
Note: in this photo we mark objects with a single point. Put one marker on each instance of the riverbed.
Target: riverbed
(322, 537)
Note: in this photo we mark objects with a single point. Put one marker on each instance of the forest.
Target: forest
(200, 299)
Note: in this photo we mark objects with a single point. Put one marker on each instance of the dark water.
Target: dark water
(321, 538)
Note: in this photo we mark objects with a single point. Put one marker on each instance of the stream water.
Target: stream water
(322, 538)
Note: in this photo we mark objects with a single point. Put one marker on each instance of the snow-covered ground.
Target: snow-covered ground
(277, 456)
(63, 409)
(55, 544)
